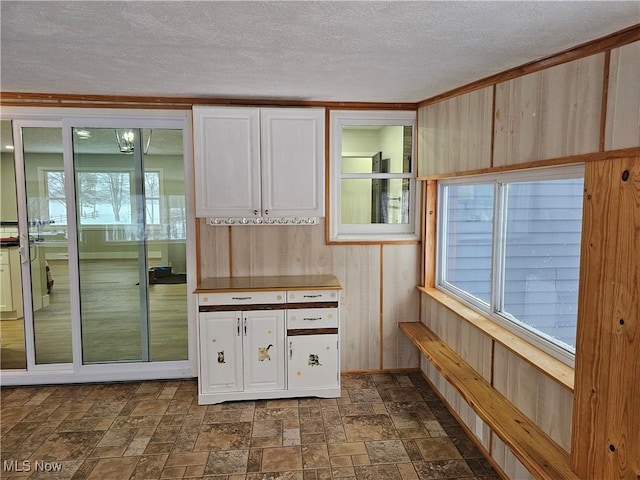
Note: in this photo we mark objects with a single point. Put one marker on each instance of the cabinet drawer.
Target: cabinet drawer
(312, 318)
(241, 298)
(309, 296)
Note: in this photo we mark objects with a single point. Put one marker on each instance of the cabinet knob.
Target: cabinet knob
(255, 212)
(266, 212)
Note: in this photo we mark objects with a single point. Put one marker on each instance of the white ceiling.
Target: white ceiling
(301, 50)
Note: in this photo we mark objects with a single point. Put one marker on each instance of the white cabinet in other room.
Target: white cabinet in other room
(242, 351)
(259, 165)
(6, 293)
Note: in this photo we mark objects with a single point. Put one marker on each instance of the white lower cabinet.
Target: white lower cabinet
(242, 351)
(313, 361)
(258, 345)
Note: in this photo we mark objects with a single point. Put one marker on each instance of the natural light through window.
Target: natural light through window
(510, 246)
(105, 198)
(373, 176)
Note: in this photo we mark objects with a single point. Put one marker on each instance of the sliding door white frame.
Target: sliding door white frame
(77, 372)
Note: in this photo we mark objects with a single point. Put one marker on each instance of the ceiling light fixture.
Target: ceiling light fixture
(83, 134)
(126, 140)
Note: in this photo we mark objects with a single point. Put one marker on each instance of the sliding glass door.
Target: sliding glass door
(101, 206)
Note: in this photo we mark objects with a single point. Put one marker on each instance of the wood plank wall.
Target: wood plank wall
(571, 110)
(378, 283)
(606, 440)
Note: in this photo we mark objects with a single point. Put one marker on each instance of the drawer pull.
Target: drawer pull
(312, 319)
(290, 350)
(241, 298)
(312, 296)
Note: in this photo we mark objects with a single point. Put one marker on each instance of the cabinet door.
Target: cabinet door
(312, 361)
(263, 345)
(220, 352)
(227, 161)
(292, 162)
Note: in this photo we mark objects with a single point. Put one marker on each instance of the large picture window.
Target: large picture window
(509, 245)
(105, 198)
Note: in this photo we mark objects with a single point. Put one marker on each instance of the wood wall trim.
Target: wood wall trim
(605, 99)
(381, 307)
(375, 371)
(327, 176)
(617, 39)
(552, 162)
(430, 237)
(29, 99)
(541, 361)
(230, 239)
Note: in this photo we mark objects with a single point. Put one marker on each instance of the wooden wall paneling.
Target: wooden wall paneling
(478, 428)
(544, 401)
(549, 114)
(421, 142)
(280, 250)
(475, 349)
(622, 127)
(427, 138)
(475, 130)
(455, 135)
(400, 303)
(360, 310)
(437, 317)
(466, 340)
(554, 410)
(213, 249)
(508, 461)
(606, 417)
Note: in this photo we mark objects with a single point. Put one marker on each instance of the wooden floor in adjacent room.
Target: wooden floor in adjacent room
(383, 427)
(111, 326)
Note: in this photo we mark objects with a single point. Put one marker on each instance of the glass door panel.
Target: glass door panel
(131, 244)
(111, 247)
(166, 234)
(48, 250)
(12, 350)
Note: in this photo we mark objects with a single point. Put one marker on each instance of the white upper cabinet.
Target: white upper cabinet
(292, 146)
(227, 161)
(259, 165)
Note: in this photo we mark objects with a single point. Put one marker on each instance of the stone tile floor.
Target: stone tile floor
(386, 427)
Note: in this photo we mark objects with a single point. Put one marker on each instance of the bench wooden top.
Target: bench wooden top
(535, 449)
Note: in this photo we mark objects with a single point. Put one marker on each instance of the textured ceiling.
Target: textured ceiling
(303, 50)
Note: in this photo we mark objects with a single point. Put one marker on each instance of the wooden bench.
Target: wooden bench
(542, 456)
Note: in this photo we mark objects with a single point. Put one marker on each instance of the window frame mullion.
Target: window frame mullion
(499, 247)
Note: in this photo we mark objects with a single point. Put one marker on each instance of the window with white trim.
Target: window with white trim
(373, 176)
(509, 245)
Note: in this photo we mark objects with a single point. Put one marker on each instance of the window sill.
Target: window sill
(542, 361)
(373, 238)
